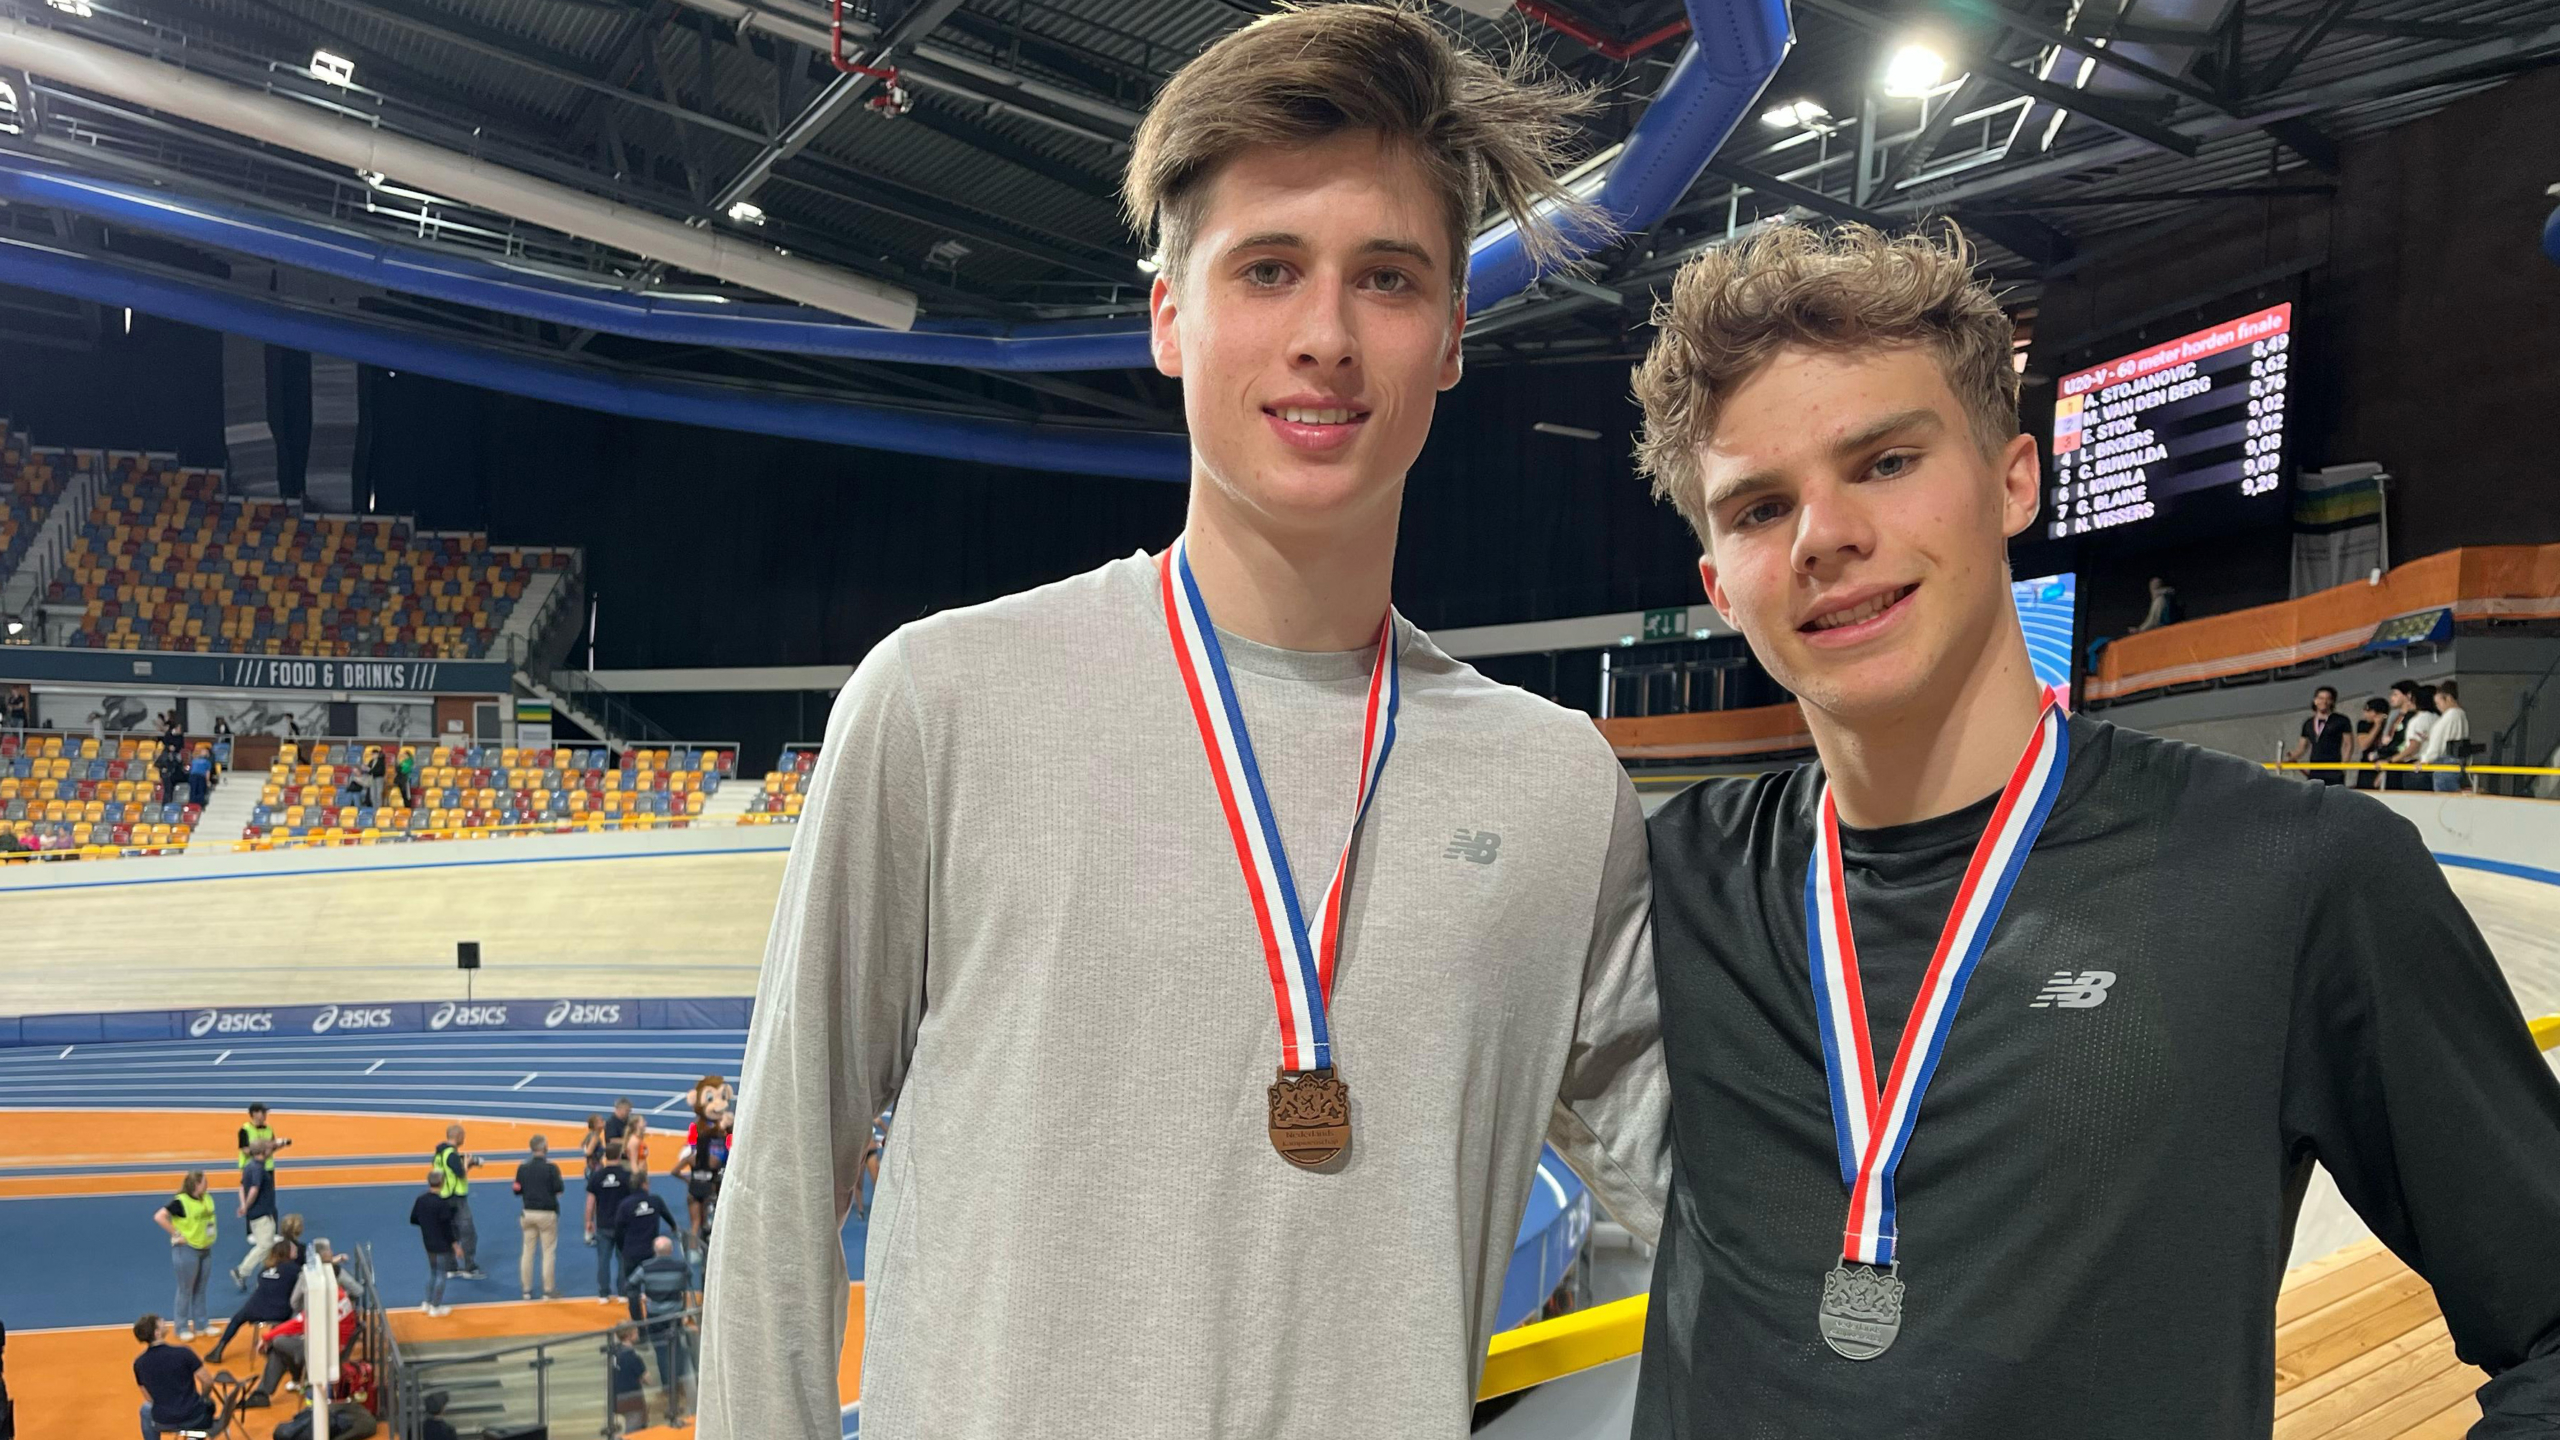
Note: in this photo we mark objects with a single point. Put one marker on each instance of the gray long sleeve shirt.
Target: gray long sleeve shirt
(1013, 908)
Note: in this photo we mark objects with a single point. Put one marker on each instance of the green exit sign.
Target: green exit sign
(1666, 624)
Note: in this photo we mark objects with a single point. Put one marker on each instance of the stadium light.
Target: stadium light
(1914, 71)
(8, 108)
(336, 69)
(79, 8)
(1148, 265)
(17, 627)
(1807, 113)
(747, 212)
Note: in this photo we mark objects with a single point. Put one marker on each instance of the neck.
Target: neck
(1943, 751)
(1316, 589)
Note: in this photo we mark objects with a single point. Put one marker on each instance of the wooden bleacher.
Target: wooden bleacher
(2362, 1354)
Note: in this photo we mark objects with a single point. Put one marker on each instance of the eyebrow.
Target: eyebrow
(1919, 418)
(1289, 240)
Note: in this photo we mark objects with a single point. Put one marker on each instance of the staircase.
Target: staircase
(226, 814)
(728, 804)
(20, 591)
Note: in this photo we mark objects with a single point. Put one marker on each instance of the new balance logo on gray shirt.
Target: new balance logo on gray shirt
(1482, 847)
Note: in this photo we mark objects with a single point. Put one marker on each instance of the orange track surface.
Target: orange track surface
(78, 1384)
(125, 1136)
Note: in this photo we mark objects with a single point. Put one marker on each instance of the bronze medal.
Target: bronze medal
(1310, 1117)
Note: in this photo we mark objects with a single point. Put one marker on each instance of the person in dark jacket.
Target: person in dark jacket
(660, 1294)
(432, 1213)
(270, 1299)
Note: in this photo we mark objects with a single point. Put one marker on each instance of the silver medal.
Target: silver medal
(1861, 1310)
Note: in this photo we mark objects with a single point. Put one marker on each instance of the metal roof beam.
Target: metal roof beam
(873, 192)
(2280, 69)
(846, 88)
(2115, 116)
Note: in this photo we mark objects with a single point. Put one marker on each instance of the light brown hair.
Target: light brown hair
(1853, 288)
(1307, 73)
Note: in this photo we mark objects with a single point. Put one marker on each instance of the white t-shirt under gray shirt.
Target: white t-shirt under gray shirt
(1012, 906)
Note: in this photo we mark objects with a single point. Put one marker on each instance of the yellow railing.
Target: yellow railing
(1552, 1349)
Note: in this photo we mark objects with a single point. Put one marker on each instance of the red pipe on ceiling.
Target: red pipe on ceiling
(1565, 22)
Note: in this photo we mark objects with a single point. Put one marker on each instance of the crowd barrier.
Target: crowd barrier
(2476, 582)
(398, 1017)
(1709, 734)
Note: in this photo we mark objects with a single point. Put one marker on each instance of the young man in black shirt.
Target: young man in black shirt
(2325, 737)
(2147, 986)
(432, 1213)
(607, 1187)
(538, 1187)
(170, 1377)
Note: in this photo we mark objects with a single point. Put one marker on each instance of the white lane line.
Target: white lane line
(65, 1055)
(672, 1102)
(376, 1065)
(524, 1082)
(225, 1055)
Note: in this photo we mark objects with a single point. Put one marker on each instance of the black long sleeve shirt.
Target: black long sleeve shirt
(2095, 1211)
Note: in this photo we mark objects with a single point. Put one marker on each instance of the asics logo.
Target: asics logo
(351, 1017)
(466, 1016)
(2074, 990)
(569, 1012)
(1477, 847)
(232, 1022)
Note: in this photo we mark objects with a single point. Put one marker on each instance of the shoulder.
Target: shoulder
(2235, 803)
(1505, 723)
(1726, 812)
(1060, 619)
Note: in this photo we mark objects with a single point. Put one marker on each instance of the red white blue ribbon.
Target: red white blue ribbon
(1873, 1123)
(1299, 956)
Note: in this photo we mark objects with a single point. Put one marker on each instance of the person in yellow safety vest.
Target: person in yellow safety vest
(452, 1168)
(250, 1134)
(188, 1217)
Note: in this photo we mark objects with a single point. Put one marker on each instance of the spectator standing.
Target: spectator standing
(617, 1129)
(538, 1187)
(172, 1380)
(643, 1218)
(221, 727)
(2326, 735)
(200, 776)
(270, 1302)
(660, 1294)
(592, 1144)
(188, 1217)
(455, 1165)
(404, 777)
(2165, 607)
(168, 767)
(630, 1376)
(607, 1188)
(2448, 742)
(374, 771)
(2373, 734)
(432, 1213)
(257, 1208)
(2415, 705)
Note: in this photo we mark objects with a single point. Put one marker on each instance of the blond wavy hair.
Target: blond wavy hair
(1308, 73)
(1853, 288)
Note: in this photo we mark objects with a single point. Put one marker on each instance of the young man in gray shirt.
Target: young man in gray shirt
(1210, 1121)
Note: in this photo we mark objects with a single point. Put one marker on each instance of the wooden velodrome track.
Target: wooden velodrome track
(2361, 1352)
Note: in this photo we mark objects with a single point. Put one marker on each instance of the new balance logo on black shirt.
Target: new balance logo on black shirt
(2086, 990)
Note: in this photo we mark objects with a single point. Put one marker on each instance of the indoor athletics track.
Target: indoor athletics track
(99, 1135)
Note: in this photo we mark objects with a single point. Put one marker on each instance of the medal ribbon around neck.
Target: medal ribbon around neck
(1302, 967)
(1873, 1125)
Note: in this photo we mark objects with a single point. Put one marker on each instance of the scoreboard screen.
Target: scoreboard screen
(2146, 434)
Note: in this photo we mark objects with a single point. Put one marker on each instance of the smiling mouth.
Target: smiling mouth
(1309, 415)
(1864, 610)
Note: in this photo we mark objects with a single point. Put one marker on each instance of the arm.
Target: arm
(1612, 1120)
(836, 1013)
(2411, 1077)
(160, 1217)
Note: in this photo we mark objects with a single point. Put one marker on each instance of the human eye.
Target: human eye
(1392, 282)
(1893, 464)
(1759, 512)
(1265, 274)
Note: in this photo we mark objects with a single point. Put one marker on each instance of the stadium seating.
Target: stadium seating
(786, 788)
(474, 791)
(166, 561)
(72, 796)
